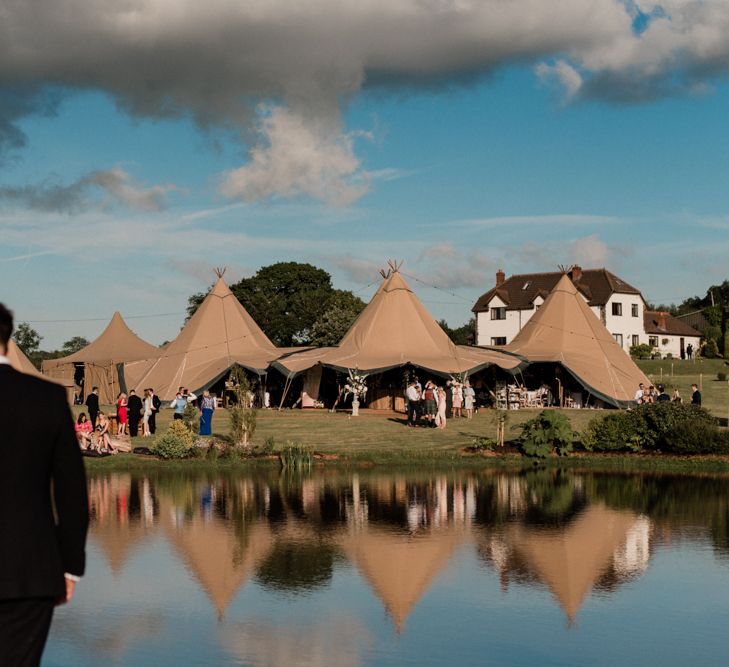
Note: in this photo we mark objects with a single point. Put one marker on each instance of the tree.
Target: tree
(286, 299)
(27, 338)
(463, 335)
(73, 345)
(335, 321)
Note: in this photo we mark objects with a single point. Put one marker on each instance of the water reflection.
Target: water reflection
(304, 538)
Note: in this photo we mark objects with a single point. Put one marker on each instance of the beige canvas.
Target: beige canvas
(115, 345)
(218, 336)
(21, 363)
(396, 329)
(565, 330)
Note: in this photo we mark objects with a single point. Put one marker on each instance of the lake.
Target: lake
(543, 567)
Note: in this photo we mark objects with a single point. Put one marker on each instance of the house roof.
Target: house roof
(673, 325)
(519, 291)
(697, 320)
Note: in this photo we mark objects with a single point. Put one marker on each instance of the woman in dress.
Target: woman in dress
(84, 429)
(121, 414)
(102, 428)
(440, 417)
(146, 414)
(207, 407)
(469, 398)
(457, 395)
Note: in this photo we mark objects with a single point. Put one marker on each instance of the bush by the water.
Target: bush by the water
(175, 443)
(678, 428)
(721, 377)
(549, 431)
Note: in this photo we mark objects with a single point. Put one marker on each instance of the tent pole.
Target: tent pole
(287, 386)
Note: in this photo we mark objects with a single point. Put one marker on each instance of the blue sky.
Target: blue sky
(457, 166)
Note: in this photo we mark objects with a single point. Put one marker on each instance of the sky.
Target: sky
(145, 142)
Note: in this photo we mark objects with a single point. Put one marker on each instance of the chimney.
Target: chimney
(500, 277)
(662, 320)
(576, 272)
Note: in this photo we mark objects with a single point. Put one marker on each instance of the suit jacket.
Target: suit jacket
(92, 402)
(38, 449)
(135, 406)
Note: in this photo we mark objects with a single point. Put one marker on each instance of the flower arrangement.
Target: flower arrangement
(356, 385)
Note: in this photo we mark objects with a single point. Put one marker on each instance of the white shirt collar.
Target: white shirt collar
(4, 360)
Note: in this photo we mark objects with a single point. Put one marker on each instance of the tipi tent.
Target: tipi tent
(21, 363)
(396, 329)
(102, 358)
(220, 335)
(566, 331)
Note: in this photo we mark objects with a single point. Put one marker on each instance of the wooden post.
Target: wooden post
(661, 373)
(701, 382)
(671, 369)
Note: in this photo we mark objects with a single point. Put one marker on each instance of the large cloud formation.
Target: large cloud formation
(278, 72)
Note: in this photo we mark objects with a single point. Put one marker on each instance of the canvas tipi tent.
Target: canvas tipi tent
(21, 363)
(566, 331)
(102, 358)
(220, 335)
(396, 329)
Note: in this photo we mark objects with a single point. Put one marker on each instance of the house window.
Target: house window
(653, 341)
(498, 313)
(634, 310)
(617, 309)
(636, 340)
(499, 340)
(618, 337)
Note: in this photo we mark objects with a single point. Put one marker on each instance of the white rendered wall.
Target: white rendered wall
(673, 346)
(626, 324)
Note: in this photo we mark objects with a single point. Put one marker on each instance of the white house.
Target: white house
(504, 309)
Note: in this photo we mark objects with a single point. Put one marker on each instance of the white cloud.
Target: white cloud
(218, 61)
(297, 156)
(537, 220)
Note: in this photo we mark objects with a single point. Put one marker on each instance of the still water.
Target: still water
(462, 568)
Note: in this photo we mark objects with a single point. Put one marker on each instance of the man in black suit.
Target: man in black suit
(134, 407)
(41, 551)
(92, 403)
(156, 404)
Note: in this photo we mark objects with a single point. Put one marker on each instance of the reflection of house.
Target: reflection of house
(220, 560)
(572, 560)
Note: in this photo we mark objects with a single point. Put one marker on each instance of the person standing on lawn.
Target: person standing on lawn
(92, 403)
(412, 394)
(44, 510)
(155, 404)
(134, 409)
(695, 395)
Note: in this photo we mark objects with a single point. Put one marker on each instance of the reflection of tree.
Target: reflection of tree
(297, 566)
(554, 497)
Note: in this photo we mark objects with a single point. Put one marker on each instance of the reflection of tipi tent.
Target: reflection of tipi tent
(218, 336)
(117, 540)
(220, 561)
(400, 567)
(101, 359)
(395, 329)
(566, 331)
(569, 560)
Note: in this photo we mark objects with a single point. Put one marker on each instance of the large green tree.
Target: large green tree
(73, 345)
(463, 335)
(288, 299)
(27, 338)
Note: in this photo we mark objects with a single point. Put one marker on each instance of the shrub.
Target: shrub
(295, 456)
(243, 418)
(647, 427)
(698, 438)
(175, 443)
(548, 431)
(616, 432)
(642, 351)
(482, 443)
(191, 418)
(721, 377)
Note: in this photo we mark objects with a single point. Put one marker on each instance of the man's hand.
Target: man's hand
(70, 586)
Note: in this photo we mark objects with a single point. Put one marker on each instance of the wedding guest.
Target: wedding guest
(84, 429)
(676, 398)
(146, 431)
(207, 407)
(102, 430)
(121, 414)
(662, 395)
(134, 410)
(440, 418)
(430, 404)
(179, 404)
(640, 394)
(695, 395)
(412, 394)
(156, 404)
(457, 399)
(469, 398)
(92, 403)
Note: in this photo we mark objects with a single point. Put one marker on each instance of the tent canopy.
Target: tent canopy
(115, 345)
(395, 329)
(566, 331)
(21, 363)
(220, 335)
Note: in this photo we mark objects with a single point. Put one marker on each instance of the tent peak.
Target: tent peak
(394, 265)
(220, 271)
